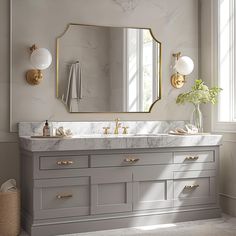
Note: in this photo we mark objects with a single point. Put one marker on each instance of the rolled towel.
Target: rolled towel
(61, 132)
(8, 186)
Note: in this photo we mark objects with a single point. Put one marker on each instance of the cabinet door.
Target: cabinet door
(111, 190)
(194, 188)
(153, 187)
(61, 197)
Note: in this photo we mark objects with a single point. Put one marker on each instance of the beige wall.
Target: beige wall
(174, 23)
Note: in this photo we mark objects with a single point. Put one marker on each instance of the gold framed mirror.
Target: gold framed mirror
(108, 69)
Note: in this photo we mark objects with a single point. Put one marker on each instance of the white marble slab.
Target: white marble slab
(102, 142)
(83, 128)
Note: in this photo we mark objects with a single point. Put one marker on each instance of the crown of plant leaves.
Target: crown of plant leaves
(200, 93)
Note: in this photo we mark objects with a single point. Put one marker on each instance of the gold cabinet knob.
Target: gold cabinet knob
(64, 196)
(191, 187)
(131, 160)
(125, 130)
(106, 130)
(64, 163)
(190, 158)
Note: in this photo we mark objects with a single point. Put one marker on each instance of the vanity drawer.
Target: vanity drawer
(130, 159)
(62, 162)
(194, 157)
(194, 188)
(202, 160)
(61, 197)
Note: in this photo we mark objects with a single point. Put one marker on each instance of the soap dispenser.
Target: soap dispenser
(46, 129)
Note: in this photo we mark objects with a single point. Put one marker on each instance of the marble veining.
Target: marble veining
(127, 5)
(118, 142)
(84, 128)
(89, 136)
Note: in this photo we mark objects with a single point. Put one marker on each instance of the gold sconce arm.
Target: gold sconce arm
(33, 48)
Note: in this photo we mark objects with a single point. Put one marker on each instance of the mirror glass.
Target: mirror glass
(108, 69)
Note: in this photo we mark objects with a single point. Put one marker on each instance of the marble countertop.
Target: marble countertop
(106, 142)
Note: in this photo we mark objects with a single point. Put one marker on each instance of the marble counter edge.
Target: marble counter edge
(95, 143)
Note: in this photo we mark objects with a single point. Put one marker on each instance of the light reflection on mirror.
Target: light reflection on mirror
(108, 69)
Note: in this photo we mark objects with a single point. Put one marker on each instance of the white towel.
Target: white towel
(74, 86)
(8, 186)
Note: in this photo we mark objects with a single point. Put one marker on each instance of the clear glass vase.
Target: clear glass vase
(196, 118)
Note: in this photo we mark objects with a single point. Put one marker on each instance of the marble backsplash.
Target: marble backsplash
(83, 128)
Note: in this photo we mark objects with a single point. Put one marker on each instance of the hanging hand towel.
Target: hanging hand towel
(74, 87)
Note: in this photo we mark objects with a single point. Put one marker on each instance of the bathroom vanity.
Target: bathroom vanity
(98, 182)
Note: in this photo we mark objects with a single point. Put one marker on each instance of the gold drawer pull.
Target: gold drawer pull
(63, 196)
(191, 187)
(65, 163)
(131, 160)
(191, 158)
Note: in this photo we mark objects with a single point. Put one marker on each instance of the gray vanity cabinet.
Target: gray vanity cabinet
(78, 191)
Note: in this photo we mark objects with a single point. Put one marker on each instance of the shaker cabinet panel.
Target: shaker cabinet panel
(62, 162)
(110, 194)
(198, 160)
(155, 172)
(152, 194)
(61, 197)
(153, 187)
(135, 159)
(194, 157)
(194, 188)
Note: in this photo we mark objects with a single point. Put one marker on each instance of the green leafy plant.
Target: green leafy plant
(199, 94)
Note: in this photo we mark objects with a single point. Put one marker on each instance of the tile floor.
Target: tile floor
(225, 226)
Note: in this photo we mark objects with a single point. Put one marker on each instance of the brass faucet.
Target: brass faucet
(118, 125)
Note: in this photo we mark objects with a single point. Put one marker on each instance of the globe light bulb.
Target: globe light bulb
(184, 65)
(41, 58)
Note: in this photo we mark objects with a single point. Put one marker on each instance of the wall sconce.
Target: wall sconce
(183, 66)
(40, 59)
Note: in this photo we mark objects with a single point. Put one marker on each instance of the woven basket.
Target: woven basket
(10, 213)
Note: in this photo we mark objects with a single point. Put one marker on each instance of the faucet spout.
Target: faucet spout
(118, 125)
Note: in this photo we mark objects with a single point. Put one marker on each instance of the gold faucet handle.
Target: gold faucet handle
(125, 130)
(117, 120)
(106, 130)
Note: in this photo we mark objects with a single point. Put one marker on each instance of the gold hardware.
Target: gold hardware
(191, 158)
(177, 55)
(177, 80)
(191, 187)
(106, 130)
(33, 47)
(125, 130)
(131, 160)
(65, 163)
(63, 196)
(116, 131)
(34, 77)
